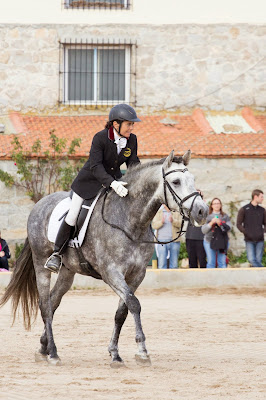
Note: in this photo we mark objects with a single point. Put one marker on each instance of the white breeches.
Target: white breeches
(73, 212)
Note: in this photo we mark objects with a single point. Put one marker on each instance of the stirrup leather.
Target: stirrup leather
(53, 267)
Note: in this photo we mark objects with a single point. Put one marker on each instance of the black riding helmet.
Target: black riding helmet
(123, 112)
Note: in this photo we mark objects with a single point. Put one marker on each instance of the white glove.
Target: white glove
(119, 188)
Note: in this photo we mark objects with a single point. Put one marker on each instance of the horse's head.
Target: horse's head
(179, 191)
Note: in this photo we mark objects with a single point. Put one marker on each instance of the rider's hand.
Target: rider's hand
(119, 188)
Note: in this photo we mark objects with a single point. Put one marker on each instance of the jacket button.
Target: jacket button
(112, 169)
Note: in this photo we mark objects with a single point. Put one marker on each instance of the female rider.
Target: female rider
(110, 148)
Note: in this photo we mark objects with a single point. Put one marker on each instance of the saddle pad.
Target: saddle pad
(56, 220)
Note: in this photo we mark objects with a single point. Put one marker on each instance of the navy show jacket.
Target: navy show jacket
(103, 164)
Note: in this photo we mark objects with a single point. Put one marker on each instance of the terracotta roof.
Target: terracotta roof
(155, 138)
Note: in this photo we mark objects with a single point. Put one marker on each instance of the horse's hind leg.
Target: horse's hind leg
(49, 302)
(120, 317)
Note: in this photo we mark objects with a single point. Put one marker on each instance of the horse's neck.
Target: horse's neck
(145, 203)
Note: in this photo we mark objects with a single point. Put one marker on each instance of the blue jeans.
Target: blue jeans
(163, 249)
(211, 256)
(255, 253)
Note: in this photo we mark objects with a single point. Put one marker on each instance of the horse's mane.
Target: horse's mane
(137, 168)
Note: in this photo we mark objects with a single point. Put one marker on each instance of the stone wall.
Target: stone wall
(232, 180)
(15, 207)
(218, 67)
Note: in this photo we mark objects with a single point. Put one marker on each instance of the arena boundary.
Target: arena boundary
(178, 278)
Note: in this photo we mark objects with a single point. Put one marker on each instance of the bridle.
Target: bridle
(177, 200)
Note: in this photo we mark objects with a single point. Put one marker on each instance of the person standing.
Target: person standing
(194, 245)
(251, 221)
(215, 234)
(4, 254)
(167, 224)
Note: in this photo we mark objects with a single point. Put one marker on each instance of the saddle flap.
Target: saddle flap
(61, 210)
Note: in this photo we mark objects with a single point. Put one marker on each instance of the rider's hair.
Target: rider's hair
(210, 208)
(256, 192)
(110, 123)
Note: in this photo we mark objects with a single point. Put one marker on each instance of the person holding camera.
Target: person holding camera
(215, 233)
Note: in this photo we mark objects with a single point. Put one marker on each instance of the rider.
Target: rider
(110, 148)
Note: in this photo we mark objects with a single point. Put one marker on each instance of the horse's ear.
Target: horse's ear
(186, 157)
(168, 161)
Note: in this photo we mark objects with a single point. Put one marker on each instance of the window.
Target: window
(111, 4)
(96, 74)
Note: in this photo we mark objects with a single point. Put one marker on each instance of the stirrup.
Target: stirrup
(53, 266)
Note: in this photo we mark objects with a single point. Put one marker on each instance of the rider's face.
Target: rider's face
(126, 128)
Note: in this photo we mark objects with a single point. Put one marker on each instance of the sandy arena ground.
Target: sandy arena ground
(204, 344)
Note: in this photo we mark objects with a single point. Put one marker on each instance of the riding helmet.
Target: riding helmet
(123, 112)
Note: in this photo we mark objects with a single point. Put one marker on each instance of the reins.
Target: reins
(177, 200)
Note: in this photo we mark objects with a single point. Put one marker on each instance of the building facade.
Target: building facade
(78, 58)
(166, 56)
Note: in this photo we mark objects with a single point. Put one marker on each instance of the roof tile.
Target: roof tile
(155, 139)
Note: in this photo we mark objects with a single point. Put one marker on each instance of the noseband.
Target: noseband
(180, 202)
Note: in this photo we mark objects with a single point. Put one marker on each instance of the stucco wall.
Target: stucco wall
(178, 67)
(147, 12)
(232, 180)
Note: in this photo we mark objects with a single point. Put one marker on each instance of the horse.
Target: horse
(118, 245)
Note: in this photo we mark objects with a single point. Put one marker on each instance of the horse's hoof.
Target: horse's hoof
(39, 357)
(117, 364)
(145, 361)
(54, 361)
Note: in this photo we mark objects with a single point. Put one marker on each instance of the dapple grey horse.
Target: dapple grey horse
(118, 244)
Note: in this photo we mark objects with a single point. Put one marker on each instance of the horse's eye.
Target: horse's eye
(177, 182)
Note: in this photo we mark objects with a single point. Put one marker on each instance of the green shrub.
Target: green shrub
(18, 250)
(42, 172)
(183, 251)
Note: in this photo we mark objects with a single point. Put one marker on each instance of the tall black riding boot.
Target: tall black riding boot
(54, 262)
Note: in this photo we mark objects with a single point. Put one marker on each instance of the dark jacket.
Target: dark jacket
(219, 240)
(5, 248)
(251, 220)
(103, 164)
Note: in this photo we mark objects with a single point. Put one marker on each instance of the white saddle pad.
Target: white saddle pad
(56, 221)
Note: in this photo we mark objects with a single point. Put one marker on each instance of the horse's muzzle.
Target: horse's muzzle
(199, 212)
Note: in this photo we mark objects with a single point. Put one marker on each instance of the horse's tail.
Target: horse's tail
(22, 287)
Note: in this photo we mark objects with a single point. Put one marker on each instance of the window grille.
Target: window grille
(105, 4)
(97, 73)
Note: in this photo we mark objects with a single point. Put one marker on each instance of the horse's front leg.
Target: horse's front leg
(117, 282)
(133, 304)
(120, 317)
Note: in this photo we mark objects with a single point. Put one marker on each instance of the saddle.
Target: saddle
(61, 210)
(57, 216)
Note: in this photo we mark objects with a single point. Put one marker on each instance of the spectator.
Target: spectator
(215, 235)
(194, 245)
(167, 224)
(251, 221)
(4, 254)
